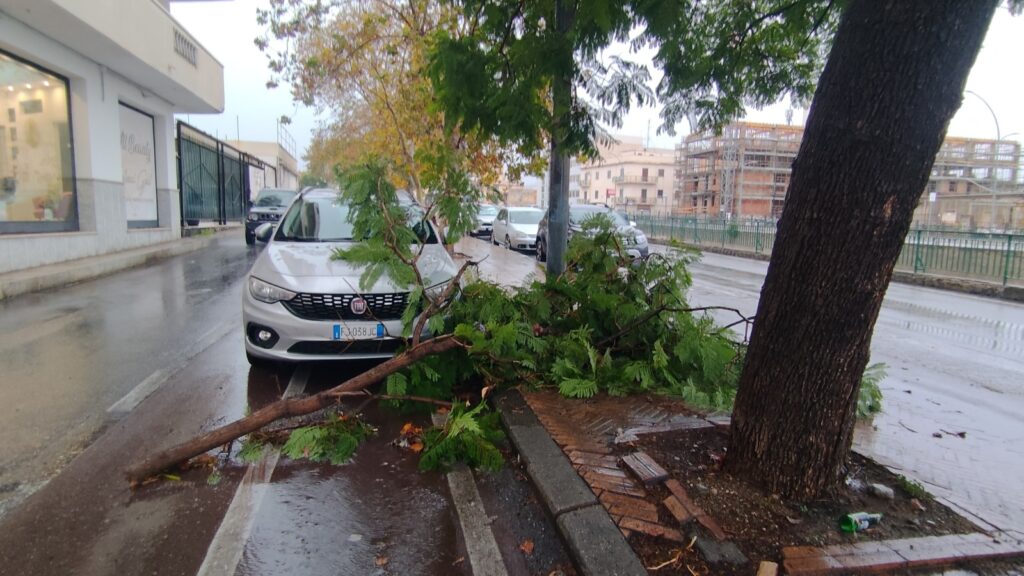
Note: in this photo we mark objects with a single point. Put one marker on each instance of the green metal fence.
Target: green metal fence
(982, 256)
(213, 177)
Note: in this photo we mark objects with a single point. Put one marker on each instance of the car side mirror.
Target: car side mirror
(264, 232)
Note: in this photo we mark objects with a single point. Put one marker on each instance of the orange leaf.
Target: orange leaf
(416, 446)
(381, 560)
(406, 428)
(527, 547)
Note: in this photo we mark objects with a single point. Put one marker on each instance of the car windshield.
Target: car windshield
(488, 210)
(581, 215)
(323, 219)
(273, 198)
(525, 216)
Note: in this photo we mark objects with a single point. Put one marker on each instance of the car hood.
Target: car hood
(484, 219)
(308, 267)
(267, 210)
(628, 233)
(524, 229)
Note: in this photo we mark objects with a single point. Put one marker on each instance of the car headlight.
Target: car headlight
(268, 293)
(254, 217)
(640, 238)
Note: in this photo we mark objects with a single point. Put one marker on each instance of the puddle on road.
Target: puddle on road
(322, 519)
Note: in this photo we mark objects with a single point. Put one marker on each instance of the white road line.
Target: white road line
(228, 544)
(151, 383)
(481, 547)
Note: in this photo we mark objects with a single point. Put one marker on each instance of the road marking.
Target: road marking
(228, 544)
(481, 547)
(151, 383)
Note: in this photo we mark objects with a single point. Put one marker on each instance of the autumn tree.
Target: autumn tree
(894, 79)
(361, 63)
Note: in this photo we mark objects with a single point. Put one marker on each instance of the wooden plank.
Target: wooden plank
(645, 468)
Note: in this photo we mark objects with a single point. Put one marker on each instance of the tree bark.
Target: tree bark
(283, 409)
(893, 80)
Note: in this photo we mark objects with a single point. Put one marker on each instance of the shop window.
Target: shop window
(37, 182)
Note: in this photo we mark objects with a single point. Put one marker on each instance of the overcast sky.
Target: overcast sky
(227, 29)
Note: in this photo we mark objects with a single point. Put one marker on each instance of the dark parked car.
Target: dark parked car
(633, 239)
(268, 207)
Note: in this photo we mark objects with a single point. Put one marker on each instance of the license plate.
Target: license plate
(360, 331)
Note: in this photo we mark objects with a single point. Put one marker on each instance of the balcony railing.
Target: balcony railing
(634, 179)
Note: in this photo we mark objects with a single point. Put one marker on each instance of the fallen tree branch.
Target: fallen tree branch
(423, 399)
(285, 408)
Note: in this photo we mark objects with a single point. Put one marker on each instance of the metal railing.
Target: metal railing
(994, 257)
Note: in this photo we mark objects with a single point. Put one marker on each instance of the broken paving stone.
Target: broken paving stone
(647, 470)
(724, 552)
(767, 568)
(882, 491)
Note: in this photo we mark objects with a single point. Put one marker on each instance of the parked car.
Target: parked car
(267, 207)
(300, 304)
(516, 228)
(633, 239)
(484, 220)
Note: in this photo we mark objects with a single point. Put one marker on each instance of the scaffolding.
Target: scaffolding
(742, 172)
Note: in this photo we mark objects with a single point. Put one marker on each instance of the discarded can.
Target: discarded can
(859, 521)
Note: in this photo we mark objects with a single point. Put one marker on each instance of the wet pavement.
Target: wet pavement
(100, 374)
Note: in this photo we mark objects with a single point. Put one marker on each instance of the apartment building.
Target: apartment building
(744, 172)
(276, 155)
(88, 93)
(628, 175)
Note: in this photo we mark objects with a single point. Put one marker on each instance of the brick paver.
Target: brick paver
(888, 555)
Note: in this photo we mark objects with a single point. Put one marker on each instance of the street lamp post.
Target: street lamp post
(995, 155)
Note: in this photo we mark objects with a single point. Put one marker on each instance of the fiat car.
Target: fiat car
(300, 304)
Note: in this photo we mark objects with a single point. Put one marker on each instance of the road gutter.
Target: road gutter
(228, 544)
(481, 546)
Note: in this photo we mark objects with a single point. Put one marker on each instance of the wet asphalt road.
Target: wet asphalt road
(100, 374)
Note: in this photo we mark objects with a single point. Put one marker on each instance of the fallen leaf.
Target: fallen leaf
(406, 428)
(527, 547)
(485, 391)
(381, 560)
(173, 477)
(458, 560)
(416, 446)
(442, 410)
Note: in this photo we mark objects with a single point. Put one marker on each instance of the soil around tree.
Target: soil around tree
(761, 524)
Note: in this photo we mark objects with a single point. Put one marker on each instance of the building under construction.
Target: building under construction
(744, 171)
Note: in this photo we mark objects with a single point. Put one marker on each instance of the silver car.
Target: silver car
(516, 228)
(299, 304)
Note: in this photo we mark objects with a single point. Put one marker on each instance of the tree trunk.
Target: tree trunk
(283, 409)
(558, 184)
(893, 80)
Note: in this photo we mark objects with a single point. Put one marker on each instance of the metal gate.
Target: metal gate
(213, 178)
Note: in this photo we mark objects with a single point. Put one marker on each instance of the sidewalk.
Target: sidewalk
(73, 271)
(570, 449)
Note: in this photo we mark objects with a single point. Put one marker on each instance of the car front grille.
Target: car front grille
(263, 217)
(340, 347)
(339, 306)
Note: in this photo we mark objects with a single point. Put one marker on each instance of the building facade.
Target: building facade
(744, 172)
(285, 173)
(88, 93)
(629, 176)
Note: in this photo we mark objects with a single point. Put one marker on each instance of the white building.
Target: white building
(629, 175)
(88, 93)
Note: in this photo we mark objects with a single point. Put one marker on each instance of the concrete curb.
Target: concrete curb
(71, 272)
(950, 283)
(594, 542)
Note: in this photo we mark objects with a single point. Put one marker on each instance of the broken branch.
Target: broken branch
(285, 408)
